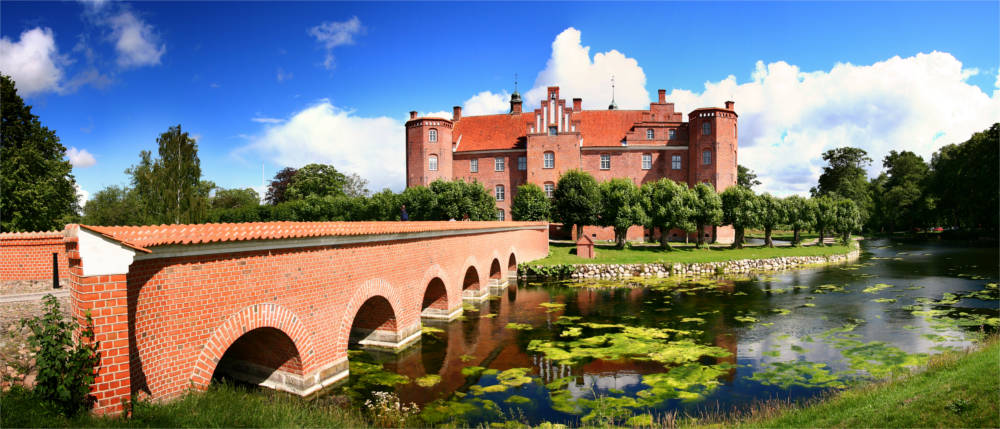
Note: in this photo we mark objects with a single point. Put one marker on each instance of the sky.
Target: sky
(265, 85)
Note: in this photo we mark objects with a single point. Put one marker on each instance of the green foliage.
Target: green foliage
(741, 208)
(746, 177)
(530, 203)
(420, 203)
(320, 180)
(113, 206)
(844, 175)
(801, 215)
(458, 198)
(577, 199)
(557, 271)
(37, 188)
(772, 213)
(667, 205)
(169, 188)
(234, 198)
(964, 181)
(65, 366)
(826, 216)
(621, 207)
(277, 190)
(847, 220)
(707, 209)
(383, 205)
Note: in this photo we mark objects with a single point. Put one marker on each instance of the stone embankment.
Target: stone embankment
(743, 266)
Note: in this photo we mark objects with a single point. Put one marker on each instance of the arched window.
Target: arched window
(432, 135)
(649, 134)
(549, 160)
(432, 163)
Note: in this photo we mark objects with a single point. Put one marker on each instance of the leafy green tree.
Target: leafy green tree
(772, 214)
(458, 198)
(826, 217)
(37, 188)
(420, 202)
(801, 216)
(577, 200)
(113, 206)
(621, 207)
(741, 208)
(169, 188)
(355, 186)
(845, 177)
(847, 219)
(965, 182)
(320, 180)
(707, 210)
(746, 177)
(530, 203)
(277, 190)
(383, 205)
(66, 365)
(234, 198)
(666, 204)
(880, 210)
(907, 173)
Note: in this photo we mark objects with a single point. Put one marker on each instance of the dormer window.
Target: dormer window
(649, 134)
(432, 135)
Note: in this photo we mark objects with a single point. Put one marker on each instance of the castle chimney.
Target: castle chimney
(456, 113)
(663, 96)
(577, 104)
(413, 114)
(730, 105)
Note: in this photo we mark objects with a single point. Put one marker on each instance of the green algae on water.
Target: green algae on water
(519, 326)
(428, 380)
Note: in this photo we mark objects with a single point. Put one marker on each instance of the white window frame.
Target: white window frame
(549, 160)
(650, 134)
(500, 215)
(474, 165)
(706, 157)
(499, 192)
(647, 161)
(605, 161)
(498, 163)
(550, 189)
(522, 163)
(675, 162)
(432, 163)
(432, 135)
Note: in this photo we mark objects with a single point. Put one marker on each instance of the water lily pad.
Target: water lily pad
(428, 380)
(519, 326)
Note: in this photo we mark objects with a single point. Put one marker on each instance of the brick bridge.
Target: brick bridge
(278, 303)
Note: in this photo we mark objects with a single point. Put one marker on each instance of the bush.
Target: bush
(66, 366)
(546, 271)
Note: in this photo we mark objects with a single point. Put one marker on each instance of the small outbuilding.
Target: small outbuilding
(585, 247)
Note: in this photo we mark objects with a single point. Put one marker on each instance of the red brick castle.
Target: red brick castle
(505, 151)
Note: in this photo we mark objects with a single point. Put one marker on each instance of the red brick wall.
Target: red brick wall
(28, 256)
(419, 148)
(183, 313)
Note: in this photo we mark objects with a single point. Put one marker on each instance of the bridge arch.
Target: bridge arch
(471, 281)
(496, 272)
(383, 323)
(512, 261)
(265, 321)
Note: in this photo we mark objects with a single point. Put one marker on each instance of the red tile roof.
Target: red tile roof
(30, 235)
(141, 237)
(606, 127)
(492, 132)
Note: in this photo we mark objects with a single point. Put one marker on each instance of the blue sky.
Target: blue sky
(278, 84)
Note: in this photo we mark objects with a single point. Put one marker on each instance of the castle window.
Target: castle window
(673, 134)
(500, 215)
(549, 189)
(522, 163)
(432, 163)
(624, 142)
(675, 162)
(432, 135)
(605, 162)
(647, 161)
(474, 165)
(498, 163)
(706, 128)
(553, 131)
(549, 160)
(499, 192)
(650, 134)
(706, 157)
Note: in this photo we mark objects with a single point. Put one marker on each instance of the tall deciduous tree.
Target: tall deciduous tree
(904, 197)
(169, 188)
(577, 199)
(746, 177)
(772, 214)
(845, 177)
(965, 181)
(667, 206)
(113, 206)
(801, 216)
(530, 203)
(235, 198)
(278, 188)
(847, 219)
(621, 207)
(826, 216)
(37, 188)
(707, 210)
(383, 205)
(420, 202)
(320, 180)
(741, 208)
(458, 198)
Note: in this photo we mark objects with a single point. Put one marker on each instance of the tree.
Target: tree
(530, 203)
(316, 179)
(458, 198)
(772, 214)
(113, 206)
(235, 198)
(845, 177)
(826, 216)
(741, 208)
(847, 219)
(707, 210)
(577, 200)
(383, 205)
(169, 188)
(37, 188)
(801, 215)
(355, 186)
(277, 190)
(746, 177)
(903, 193)
(621, 207)
(965, 182)
(666, 204)
(420, 202)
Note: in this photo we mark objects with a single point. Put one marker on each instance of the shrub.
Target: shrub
(66, 366)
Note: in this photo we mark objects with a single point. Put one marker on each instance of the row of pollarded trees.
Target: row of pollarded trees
(579, 200)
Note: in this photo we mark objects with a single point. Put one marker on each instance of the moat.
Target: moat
(564, 352)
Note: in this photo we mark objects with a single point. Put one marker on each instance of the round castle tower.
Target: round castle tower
(428, 149)
(712, 146)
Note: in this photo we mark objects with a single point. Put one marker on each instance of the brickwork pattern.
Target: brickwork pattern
(28, 256)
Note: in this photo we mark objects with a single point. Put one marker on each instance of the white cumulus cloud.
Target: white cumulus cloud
(333, 34)
(80, 158)
(487, 103)
(264, 120)
(81, 196)
(324, 133)
(136, 43)
(33, 61)
(789, 117)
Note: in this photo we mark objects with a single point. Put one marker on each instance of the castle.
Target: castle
(504, 151)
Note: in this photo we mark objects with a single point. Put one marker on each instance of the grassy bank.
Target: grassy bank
(955, 390)
(783, 235)
(559, 254)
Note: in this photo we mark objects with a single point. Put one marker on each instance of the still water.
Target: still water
(570, 352)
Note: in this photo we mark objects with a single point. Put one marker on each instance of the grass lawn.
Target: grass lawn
(783, 235)
(559, 253)
(956, 390)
